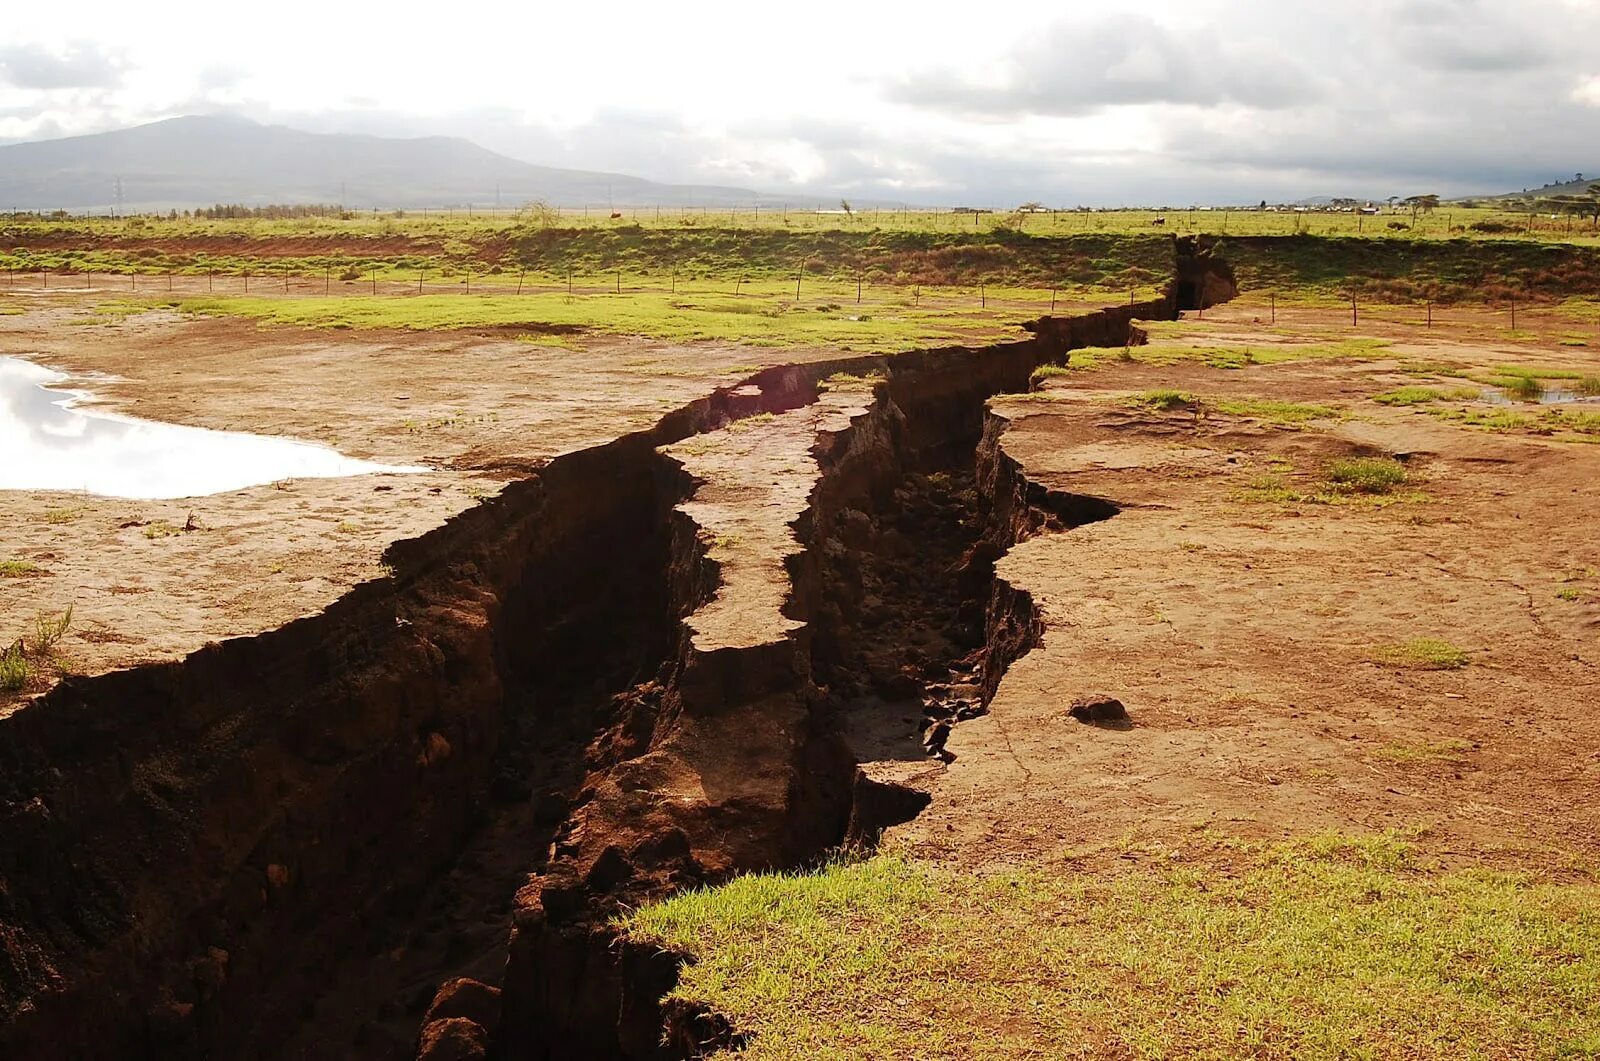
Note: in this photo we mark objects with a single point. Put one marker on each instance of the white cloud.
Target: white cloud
(1147, 100)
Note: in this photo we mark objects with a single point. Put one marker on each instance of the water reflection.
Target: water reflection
(46, 443)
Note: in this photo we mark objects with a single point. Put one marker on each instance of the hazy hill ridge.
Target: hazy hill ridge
(194, 161)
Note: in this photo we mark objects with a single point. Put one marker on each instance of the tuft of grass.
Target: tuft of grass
(1044, 372)
(1431, 368)
(844, 381)
(1522, 388)
(49, 628)
(15, 670)
(1569, 594)
(1160, 401)
(18, 568)
(161, 529)
(1425, 653)
(1366, 475)
(58, 516)
(1330, 946)
(1588, 386)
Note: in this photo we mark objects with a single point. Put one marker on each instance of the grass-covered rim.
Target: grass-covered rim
(1330, 946)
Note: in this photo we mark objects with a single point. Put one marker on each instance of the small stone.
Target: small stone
(1098, 709)
(436, 749)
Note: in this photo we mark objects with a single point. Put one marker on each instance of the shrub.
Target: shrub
(1523, 388)
(14, 669)
(48, 629)
(1366, 475)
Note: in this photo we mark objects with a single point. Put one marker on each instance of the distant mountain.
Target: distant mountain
(198, 161)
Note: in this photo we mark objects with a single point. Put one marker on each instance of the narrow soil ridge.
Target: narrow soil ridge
(246, 852)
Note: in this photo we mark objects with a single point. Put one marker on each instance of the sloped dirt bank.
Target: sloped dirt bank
(274, 846)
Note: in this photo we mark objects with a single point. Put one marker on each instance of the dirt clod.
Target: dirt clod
(1099, 709)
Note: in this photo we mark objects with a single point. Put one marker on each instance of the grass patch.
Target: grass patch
(1431, 368)
(761, 316)
(1329, 947)
(1425, 395)
(58, 516)
(1278, 412)
(1550, 421)
(1522, 388)
(1588, 386)
(1160, 401)
(1569, 595)
(844, 381)
(18, 568)
(1367, 475)
(1425, 653)
(1443, 751)
(1044, 372)
(1163, 351)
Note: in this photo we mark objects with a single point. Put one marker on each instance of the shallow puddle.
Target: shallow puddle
(48, 443)
(1548, 396)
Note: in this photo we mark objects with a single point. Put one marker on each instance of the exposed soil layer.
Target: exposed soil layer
(278, 843)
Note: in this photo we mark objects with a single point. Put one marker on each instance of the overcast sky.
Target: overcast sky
(1142, 101)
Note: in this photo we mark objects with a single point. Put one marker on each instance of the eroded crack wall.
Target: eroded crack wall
(195, 850)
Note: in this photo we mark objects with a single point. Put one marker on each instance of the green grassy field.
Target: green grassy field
(761, 314)
(1329, 947)
(1445, 222)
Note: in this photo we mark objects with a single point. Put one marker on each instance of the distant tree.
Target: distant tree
(844, 204)
(539, 214)
(1425, 203)
(1585, 205)
(1030, 208)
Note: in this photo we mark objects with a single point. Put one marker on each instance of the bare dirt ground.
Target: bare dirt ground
(1249, 628)
(476, 409)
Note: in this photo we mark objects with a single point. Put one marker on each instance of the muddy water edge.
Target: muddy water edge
(281, 845)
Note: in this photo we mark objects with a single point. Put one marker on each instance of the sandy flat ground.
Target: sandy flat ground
(476, 409)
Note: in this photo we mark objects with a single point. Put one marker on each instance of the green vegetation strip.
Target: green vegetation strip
(1425, 395)
(759, 321)
(1172, 351)
(1269, 409)
(1330, 947)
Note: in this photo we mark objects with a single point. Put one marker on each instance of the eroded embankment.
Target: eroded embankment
(247, 851)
